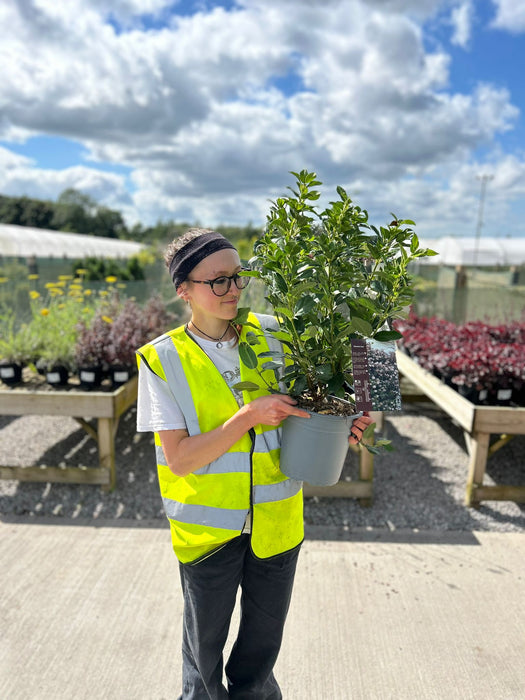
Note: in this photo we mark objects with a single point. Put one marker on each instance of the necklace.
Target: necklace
(216, 340)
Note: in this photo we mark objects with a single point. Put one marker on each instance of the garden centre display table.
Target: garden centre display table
(105, 406)
(478, 423)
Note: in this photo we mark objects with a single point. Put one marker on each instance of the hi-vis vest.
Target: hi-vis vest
(208, 507)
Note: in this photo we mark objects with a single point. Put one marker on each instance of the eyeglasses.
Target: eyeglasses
(221, 285)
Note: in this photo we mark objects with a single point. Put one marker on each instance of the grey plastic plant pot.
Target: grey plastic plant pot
(314, 449)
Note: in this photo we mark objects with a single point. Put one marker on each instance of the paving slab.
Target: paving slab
(93, 610)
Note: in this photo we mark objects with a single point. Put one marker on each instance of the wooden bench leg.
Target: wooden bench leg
(366, 472)
(106, 450)
(478, 449)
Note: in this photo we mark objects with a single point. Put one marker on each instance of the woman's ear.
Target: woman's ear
(182, 292)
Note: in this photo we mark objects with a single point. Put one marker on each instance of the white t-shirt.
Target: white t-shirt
(157, 408)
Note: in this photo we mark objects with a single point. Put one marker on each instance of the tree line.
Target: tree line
(77, 212)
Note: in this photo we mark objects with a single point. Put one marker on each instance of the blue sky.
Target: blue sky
(197, 111)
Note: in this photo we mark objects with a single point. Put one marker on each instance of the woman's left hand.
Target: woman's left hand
(358, 428)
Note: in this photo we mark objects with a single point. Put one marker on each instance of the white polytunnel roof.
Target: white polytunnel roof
(25, 241)
(485, 252)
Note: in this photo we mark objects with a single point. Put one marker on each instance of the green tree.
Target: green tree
(73, 212)
(108, 223)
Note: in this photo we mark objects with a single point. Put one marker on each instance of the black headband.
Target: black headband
(194, 252)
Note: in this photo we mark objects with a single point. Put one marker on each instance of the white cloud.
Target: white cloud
(198, 110)
(461, 19)
(510, 15)
(19, 176)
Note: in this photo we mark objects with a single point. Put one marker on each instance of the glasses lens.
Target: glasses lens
(220, 286)
(241, 282)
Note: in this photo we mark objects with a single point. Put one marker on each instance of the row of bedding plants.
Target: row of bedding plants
(77, 336)
(483, 362)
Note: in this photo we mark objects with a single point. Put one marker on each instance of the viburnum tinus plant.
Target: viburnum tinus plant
(330, 276)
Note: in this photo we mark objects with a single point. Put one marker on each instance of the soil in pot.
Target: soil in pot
(331, 406)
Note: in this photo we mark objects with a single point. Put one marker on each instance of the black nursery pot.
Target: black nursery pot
(472, 394)
(120, 374)
(11, 372)
(502, 396)
(57, 375)
(90, 376)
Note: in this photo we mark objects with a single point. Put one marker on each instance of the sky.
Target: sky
(197, 111)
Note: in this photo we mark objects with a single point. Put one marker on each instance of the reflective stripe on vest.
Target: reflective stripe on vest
(204, 515)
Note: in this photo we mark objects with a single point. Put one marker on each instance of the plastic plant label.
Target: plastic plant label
(376, 377)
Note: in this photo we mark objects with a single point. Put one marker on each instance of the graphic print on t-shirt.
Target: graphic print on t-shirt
(231, 377)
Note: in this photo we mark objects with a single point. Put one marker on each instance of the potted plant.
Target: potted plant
(484, 363)
(15, 348)
(91, 347)
(330, 277)
(133, 327)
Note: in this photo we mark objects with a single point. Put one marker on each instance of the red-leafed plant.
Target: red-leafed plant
(486, 358)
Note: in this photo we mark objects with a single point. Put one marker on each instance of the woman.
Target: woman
(235, 519)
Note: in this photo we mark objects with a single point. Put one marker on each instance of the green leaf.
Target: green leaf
(272, 354)
(385, 336)
(362, 326)
(247, 356)
(242, 315)
(281, 284)
(299, 386)
(368, 304)
(281, 311)
(385, 444)
(341, 192)
(252, 339)
(324, 372)
(309, 333)
(368, 433)
(273, 365)
(246, 386)
(306, 304)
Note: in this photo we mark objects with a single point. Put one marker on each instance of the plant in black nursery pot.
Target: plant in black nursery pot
(15, 348)
(330, 277)
(133, 327)
(91, 349)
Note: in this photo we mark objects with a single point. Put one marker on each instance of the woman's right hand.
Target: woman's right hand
(273, 409)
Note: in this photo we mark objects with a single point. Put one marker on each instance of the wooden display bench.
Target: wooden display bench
(478, 423)
(361, 488)
(105, 406)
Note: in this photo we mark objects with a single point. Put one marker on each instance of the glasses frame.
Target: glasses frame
(235, 278)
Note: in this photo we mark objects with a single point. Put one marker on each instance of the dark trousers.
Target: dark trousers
(210, 588)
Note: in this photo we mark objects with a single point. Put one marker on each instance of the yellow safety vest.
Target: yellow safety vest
(208, 507)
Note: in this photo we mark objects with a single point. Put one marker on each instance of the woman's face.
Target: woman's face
(225, 262)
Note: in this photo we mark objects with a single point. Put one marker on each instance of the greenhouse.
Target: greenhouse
(483, 252)
(27, 242)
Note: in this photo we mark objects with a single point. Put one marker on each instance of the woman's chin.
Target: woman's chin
(230, 308)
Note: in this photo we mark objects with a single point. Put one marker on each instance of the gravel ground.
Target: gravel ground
(421, 485)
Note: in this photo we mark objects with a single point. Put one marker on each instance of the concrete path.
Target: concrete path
(95, 612)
